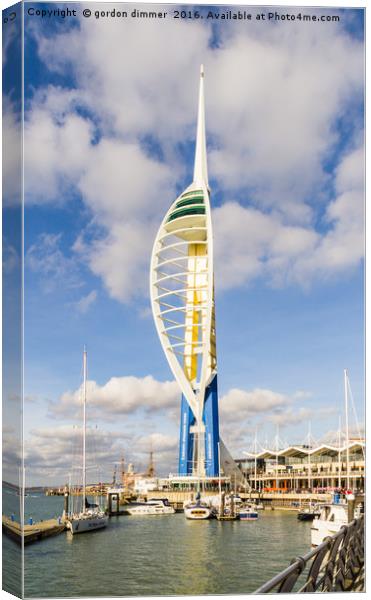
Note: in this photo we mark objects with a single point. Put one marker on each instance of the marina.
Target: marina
(144, 554)
(217, 554)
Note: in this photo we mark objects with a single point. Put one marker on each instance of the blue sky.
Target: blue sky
(110, 125)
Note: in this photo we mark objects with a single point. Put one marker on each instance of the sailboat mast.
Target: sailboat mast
(339, 453)
(346, 424)
(255, 460)
(84, 434)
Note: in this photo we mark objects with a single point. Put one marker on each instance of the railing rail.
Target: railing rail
(335, 565)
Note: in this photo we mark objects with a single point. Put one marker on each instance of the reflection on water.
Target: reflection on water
(161, 555)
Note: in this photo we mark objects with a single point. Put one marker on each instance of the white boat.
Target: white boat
(197, 510)
(155, 506)
(330, 520)
(87, 521)
(248, 513)
(91, 517)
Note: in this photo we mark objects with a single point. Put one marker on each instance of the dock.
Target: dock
(34, 532)
(270, 501)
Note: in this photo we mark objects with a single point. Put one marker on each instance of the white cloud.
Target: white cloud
(282, 92)
(272, 124)
(52, 453)
(82, 306)
(240, 404)
(121, 259)
(250, 243)
(119, 396)
(160, 442)
(12, 154)
(11, 259)
(46, 258)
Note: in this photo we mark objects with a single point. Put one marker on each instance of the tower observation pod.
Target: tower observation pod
(182, 297)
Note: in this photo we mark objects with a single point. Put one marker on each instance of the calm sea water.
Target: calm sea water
(162, 555)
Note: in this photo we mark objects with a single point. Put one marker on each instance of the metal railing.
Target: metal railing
(336, 565)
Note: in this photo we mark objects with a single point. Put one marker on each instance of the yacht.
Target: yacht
(91, 516)
(87, 520)
(155, 506)
(331, 518)
(197, 510)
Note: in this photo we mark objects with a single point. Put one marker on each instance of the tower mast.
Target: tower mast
(182, 298)
(200, 167)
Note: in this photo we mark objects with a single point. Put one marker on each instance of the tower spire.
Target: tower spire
(200, 169)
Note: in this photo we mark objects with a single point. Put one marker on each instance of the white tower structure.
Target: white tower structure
(182, 296)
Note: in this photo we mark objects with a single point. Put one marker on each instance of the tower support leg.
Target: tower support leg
(187, 419)
(211, 419)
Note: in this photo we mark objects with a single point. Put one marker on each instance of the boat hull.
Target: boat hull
(248, 516)
(306, 516)
(322, 529)
(197, 513)
(88, 523)
(153, 510)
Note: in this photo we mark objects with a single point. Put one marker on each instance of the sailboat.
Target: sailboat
(91, 517)
(197, 510)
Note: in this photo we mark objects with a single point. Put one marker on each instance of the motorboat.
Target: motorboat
(309, 513)
(155, 506)
(248, 513)
(331, 518)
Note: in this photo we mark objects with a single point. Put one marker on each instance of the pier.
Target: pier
(34, 532)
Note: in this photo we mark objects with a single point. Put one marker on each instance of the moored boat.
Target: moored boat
(91, 516)
(155, 506)
(338, 513)
(248, 513)
(330, 520)
(227, 509)
(87, 521)
(197, 510)
(309, 513)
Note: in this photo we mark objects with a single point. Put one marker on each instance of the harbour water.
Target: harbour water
(162, 555)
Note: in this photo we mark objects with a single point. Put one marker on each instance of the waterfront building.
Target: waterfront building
(303, 468)
(182, 297)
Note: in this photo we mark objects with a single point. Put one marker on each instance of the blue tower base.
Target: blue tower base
(211, 421)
